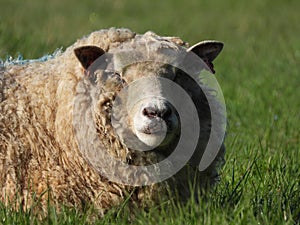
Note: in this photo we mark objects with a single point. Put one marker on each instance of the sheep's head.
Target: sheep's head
(139, 77)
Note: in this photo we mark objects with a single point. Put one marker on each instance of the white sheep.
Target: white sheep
(41, 151)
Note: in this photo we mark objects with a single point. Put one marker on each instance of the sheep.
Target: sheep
(52, 112)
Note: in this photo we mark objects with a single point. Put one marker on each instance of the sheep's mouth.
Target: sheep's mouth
(149, 131)
(153, 130)
(158, 133)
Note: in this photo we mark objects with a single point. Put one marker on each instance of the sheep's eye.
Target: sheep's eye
(119, 77)
(116, 74)
(112, 73)
(115, 77)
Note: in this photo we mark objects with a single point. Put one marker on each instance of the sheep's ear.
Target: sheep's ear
(88, 54)
(207, 51)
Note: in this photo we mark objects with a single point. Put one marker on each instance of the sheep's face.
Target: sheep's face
(140, 112)
(151, 117)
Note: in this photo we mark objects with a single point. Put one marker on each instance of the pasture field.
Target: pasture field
(258, 71)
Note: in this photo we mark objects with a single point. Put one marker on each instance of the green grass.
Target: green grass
(259, 72)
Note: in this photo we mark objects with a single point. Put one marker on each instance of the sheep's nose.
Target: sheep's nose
(163, 112)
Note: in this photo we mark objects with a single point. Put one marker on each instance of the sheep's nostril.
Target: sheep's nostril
(152, 112)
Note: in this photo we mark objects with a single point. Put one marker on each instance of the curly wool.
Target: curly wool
(38, 149)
